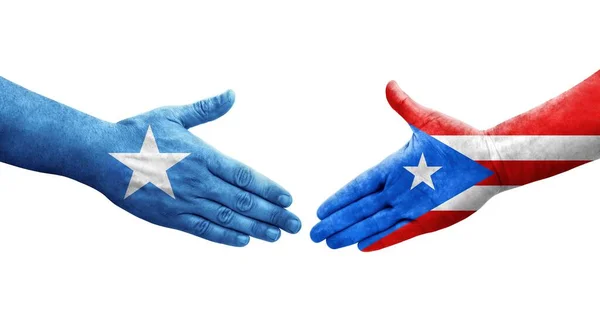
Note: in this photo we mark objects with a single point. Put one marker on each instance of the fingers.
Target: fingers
(204, 111)
(408, 228)
(254, 206)
(228, 218)
(205, 229)
(403, 230)
(379, 222)
(365, 184)
(346, 217)
(408, 109)
(245, 178)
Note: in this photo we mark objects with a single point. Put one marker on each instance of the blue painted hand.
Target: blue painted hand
(150, 165)
(176, 180)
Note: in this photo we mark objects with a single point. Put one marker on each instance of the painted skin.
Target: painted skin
(213, 196)
(378, 209)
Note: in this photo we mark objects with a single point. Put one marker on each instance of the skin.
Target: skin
(378, 209)
(216, 197)
(380, 200)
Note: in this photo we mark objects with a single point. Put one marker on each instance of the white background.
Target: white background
(311, 114)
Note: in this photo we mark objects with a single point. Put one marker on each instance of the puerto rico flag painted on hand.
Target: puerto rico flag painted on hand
(449, 169)
(557, 136)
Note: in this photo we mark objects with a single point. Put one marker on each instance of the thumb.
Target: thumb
(209, 109)
(412, 112)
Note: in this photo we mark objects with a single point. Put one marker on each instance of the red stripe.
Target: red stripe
(510, 173)
(428, 222)
(518, 173)
(575, 112)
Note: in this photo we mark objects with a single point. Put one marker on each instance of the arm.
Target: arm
(554, 137)
(464, 167)
(149, 165)
(39, 134)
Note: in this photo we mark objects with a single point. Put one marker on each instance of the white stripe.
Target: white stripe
(525, 148)
(472, 199)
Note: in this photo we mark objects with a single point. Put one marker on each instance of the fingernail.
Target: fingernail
(242, 239)
(285, 200)
(273, 234)
(227, 96)
(293, 226)
(230, 95)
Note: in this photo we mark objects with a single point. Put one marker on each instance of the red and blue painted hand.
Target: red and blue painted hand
(448, 170)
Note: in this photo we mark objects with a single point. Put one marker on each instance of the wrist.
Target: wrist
(80, 148)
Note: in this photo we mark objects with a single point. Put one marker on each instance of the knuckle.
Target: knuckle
(275, 215)
(209, 188)
(224, 215)
(201, 109)
(214, 164)
(269, 192)
(244, 201)
(255, 228)
(170, 114)
(201, 227)
(243, 176)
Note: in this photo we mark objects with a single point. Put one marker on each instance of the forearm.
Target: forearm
(39, 134)
(552, 138)
(575, 112)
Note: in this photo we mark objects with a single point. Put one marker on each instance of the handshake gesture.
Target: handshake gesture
(153, 167)
(448, 169)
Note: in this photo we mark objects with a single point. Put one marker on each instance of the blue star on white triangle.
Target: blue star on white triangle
(422, 173)
(149, 166)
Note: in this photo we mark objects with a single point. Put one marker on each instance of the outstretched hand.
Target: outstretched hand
(154, 168)
(402, 196)
(448, 170)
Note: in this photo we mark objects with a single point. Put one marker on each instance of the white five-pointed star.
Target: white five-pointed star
(149, 166)
(422, 173)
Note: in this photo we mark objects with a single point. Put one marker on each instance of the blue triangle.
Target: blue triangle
(457, 174)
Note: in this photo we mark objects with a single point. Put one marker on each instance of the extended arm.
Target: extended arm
(449, 169)
(554, 137)
(149, 165)
(39, 134)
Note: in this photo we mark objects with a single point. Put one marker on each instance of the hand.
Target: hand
(448, 170)
(414, 191)
(152, 167)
